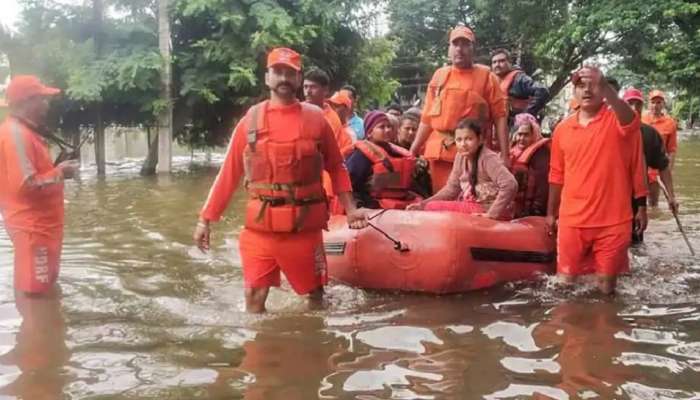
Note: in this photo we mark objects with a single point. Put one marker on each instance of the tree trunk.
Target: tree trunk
(76, 140)
(690, 113)
(98, 12)
(165, 119)
(100, 158)
(149, 164)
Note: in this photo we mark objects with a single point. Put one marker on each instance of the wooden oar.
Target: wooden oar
(675, 215)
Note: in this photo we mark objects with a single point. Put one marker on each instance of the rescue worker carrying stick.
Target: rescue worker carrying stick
(31, 187)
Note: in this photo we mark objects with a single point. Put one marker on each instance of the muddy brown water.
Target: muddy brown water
(144, 315)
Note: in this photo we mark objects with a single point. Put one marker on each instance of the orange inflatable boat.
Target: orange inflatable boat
(437, 252)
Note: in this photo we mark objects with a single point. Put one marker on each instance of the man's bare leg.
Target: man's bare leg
(316, 298)
(653, 194)
(566, 279)
(255, 299)
(607, 284)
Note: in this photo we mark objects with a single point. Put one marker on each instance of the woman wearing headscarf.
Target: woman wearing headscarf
(529, 157)
(381, 172)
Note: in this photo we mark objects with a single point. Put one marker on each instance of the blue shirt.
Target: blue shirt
(358, 125)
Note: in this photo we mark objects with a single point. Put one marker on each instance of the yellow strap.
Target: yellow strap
(252, 136)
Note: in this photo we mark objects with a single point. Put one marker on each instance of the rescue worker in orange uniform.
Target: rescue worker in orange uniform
(596, 167)
(341, 101)
(31, 187)
(524, 94)
(668, 129)
(342, 104)
(455, 92)
(654, 155)
(281, 147)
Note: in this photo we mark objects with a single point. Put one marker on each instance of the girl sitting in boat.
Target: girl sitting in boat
(479, 182)
(381, 172)
(529, 160)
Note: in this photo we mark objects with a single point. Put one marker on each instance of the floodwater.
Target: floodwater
(144, 315)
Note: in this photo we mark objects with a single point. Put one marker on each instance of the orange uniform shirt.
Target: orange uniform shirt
(341, 136)
(667, 128)
(31, 188)
(601, 167)
(279, 119)
(458, 97)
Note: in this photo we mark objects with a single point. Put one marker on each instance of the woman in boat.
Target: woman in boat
(381, 172)
(529, 157)
(408, 126)
(479, 182)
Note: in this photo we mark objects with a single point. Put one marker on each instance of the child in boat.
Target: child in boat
(479, 182)
(380, 171)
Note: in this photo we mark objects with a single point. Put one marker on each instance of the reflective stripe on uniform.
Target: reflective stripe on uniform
(25, 165)
(44, 182)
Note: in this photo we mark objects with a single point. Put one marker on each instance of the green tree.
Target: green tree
(56, 42)
(557, 36)
(219, 49)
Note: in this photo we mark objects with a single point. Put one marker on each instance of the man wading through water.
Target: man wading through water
(281, 145)
(31, 187)
(655, 157)
(596, 167)
(668, 129)
(455, 92)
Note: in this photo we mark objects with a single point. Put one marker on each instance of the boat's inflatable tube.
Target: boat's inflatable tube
(439, 252)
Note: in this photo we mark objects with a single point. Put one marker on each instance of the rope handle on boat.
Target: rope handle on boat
(398, 245)
(377, 214)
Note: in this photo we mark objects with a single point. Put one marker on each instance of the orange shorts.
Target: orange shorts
(37, 259)
(586, 250)
(299, 255)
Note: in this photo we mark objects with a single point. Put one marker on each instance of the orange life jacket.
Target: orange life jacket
(450, 106)
(283, 179)
(515, 105)
(526, 181)
(392, 176)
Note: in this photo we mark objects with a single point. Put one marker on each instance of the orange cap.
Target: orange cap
(22, 87)
(284, 56)
(462, 32)
(633, 94)
(341, 98)
(657, 93)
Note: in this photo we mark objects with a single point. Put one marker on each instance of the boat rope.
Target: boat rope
(398, 245)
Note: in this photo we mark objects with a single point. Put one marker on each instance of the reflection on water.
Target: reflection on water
(31, 368)
(144, 315)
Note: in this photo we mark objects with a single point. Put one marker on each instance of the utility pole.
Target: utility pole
(165, 119)
(98, 14)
